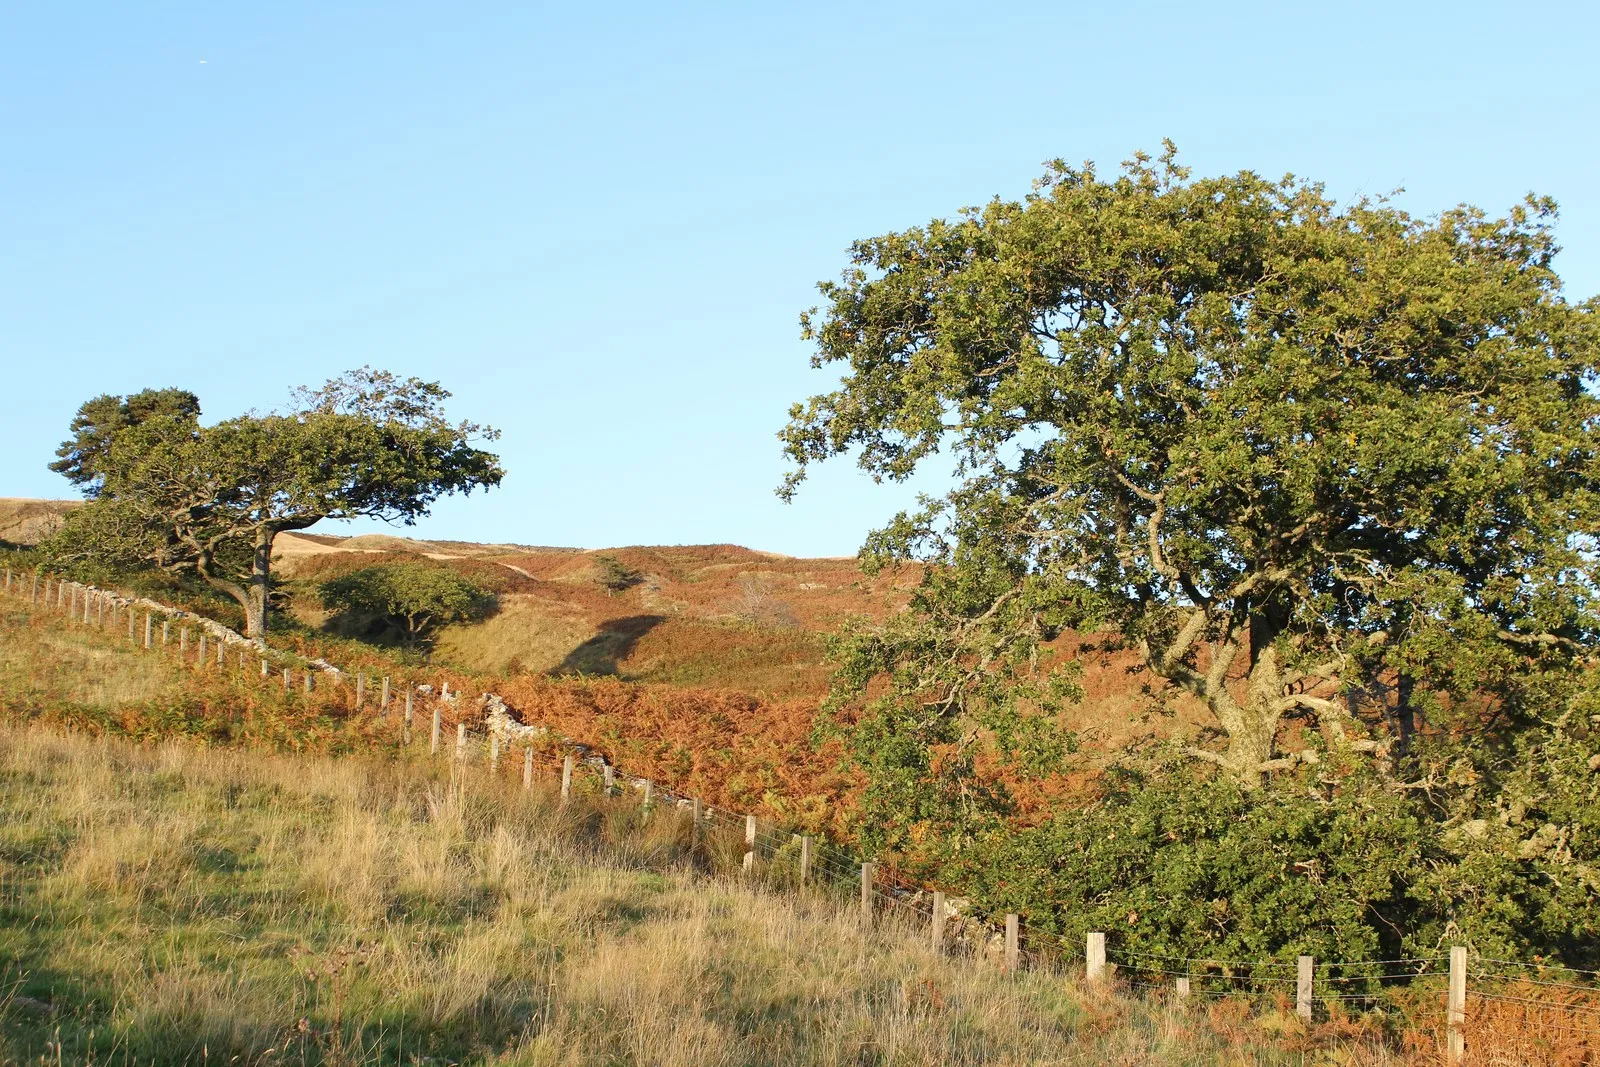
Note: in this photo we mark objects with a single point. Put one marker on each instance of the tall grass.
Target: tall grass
(173, 903)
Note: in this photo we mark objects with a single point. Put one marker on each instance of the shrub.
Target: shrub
(411, 598)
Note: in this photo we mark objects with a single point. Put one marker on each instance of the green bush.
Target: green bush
(412, 599)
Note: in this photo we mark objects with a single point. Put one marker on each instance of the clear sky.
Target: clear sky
(597, 224)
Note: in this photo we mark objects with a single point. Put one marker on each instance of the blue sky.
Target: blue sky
(597, 224)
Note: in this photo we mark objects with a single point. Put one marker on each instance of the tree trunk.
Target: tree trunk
(255, 609)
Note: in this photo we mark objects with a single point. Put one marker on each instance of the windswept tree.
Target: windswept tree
(1317, 463)
(178, 495)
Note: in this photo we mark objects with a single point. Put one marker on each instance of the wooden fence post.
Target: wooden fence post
(286, 679)
(263, 666)
(1013, 948)
(33, 590)
(749, 844)
(132, 631)
(309, 683)
(805, 858)
(610, 774)
(1094, 956)
(100, 610)
(461, 739)
(494, 751)
(433, 738)
(200, 660)
(1302, 988)
(361, 690)
(527, 768)
(383, 699)
(694, 823)
(1180, 987)
(649, 795)
(166, 624)
(1456, 1007)
(868, 872)
(407, 723)
(936, 930)
(566, 779)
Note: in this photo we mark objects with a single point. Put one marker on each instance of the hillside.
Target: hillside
(175, 903)
(24, 522)
(715, 615)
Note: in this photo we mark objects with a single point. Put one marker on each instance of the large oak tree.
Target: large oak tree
(1315, 462)
(170, 492)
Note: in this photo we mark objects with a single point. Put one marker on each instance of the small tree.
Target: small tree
(414, 598)
(615, 576)
(211, 499)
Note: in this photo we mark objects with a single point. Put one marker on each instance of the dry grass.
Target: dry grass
(174, 904)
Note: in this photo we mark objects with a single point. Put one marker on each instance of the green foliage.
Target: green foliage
(173, 494)
(1244, 427)
(1329, 468)
(615, 576)
(414, 598)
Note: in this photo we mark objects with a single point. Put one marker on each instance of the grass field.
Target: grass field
(168, 904)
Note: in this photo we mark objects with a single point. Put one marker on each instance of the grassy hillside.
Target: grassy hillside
(244, 895)
(175, 904)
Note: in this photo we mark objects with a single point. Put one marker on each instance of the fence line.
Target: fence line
(817, 861)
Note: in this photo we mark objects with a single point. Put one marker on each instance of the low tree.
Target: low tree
(211, 499)
(414, 598)
(1318, 464)
(615, 576)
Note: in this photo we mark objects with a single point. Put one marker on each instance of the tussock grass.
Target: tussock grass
(172, 903)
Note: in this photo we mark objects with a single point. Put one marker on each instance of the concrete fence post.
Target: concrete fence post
(749, 844)
(1456, 1008)
(361, 690)
(1013, 946)
(183, 641)
(694, 823)
(1094, 956)
(407, 721)
(461, 739)
(609, 773)
(433, 737)
(166, 625)
(309, 683)
(494, 752)
(149, 624)
(1181, 987)
(200, 660)
(649, 795)
(286, 679)
(527, 768)
(1302, 987)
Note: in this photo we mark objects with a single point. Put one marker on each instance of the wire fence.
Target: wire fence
(1537, 1001)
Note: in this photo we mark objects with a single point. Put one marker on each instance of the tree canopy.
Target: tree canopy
(414, 598)
(182, 496)
(1323, 466)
